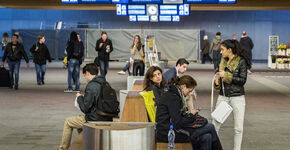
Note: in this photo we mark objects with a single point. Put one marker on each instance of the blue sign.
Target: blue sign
(69, 1)
(168, 10)
(145, 1)
(119, 1)
(175, 18)
(121, 9)
(133, 18)
(95, 1)
(143, 18)
(227, 1)
(209, 1)
(136, 10)
(165, 18)
(183, 9)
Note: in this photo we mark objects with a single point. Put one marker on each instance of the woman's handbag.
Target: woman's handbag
(223, 110)
(199, 121)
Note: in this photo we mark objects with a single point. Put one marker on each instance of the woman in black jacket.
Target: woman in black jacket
(173, 110)
(40, 54)
(153, 80)
(230, 81)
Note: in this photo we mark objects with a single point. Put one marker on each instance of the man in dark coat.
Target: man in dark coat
(205, 50)
(40, 54)
(180, 68)
(247, 43)
(14, 51)
(86, 103)
(104, 47)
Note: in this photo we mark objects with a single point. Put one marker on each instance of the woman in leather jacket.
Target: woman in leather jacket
(230, 80)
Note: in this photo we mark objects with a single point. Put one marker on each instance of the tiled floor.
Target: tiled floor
(32, 118)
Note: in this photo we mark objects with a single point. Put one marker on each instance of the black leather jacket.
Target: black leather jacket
(236, 87)
(15, 55)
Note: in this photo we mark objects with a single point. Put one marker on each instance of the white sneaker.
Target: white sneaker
(121, 72)
(249, 71)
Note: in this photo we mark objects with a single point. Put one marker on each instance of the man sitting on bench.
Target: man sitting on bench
(87, 104)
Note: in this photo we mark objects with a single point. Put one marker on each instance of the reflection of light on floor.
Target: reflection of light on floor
(277, 76)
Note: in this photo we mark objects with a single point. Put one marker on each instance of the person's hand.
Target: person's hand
(2, 63)
(221, 73)
(101, 44)
(36, 48)
(194, 111)
(216, 80)
(78, 94)
(27, 64)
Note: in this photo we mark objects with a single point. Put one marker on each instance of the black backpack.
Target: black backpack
(107, 103)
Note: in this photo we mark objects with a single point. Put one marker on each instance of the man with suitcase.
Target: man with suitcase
(14, 51)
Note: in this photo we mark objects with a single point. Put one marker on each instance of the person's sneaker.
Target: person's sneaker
(38, 83)
(42, 82)
(76, 90)
(68, 91)
(16, 87)
(11, 87)
(121, 72)
(249, 71)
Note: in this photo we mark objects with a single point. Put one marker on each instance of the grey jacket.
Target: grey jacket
(88, 102)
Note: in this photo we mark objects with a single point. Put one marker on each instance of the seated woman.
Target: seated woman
(173, 110)
(153, 80)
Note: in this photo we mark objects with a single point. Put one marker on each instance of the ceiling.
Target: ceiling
(56, 4)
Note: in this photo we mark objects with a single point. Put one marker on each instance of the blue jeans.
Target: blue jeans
(40, 72)
(14, 70)
(73, 71)
(216, 59)
(205, 138)
(127, 67)
(104, 65)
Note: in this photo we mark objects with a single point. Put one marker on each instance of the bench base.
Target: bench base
(178, 146)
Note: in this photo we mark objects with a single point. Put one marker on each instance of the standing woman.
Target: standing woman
(137, 50)
(40, 55)
(230, 80)
(153, 80)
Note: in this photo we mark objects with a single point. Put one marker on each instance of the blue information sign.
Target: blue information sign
(69, 1)
(95, 1)
(145, 1)
(209, 1)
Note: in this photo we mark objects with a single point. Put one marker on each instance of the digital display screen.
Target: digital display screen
(164, 18)
(132, 18)
(136, 10)
(121, 9)
(69, 1)
(175, 18)
(143, 18)
(172, 1)
(119, 1)
(95, 1)
(209, 1)
(168, 10)
(183, 9)
(145, 1)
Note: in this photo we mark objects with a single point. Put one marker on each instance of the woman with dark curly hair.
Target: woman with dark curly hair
(230, 80)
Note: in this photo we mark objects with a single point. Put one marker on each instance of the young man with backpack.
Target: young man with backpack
(75, 53)
(89, 103)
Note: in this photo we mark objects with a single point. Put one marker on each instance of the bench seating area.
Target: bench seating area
(134, 110)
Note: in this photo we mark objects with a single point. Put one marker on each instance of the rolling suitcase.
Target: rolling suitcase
(4, 77)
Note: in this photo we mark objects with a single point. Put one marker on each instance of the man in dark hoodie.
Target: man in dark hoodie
(40, 55)
(86, 103)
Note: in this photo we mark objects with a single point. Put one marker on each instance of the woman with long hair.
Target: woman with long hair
(153, 80)
(188, 124)
(230, 80)
(137, 50)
